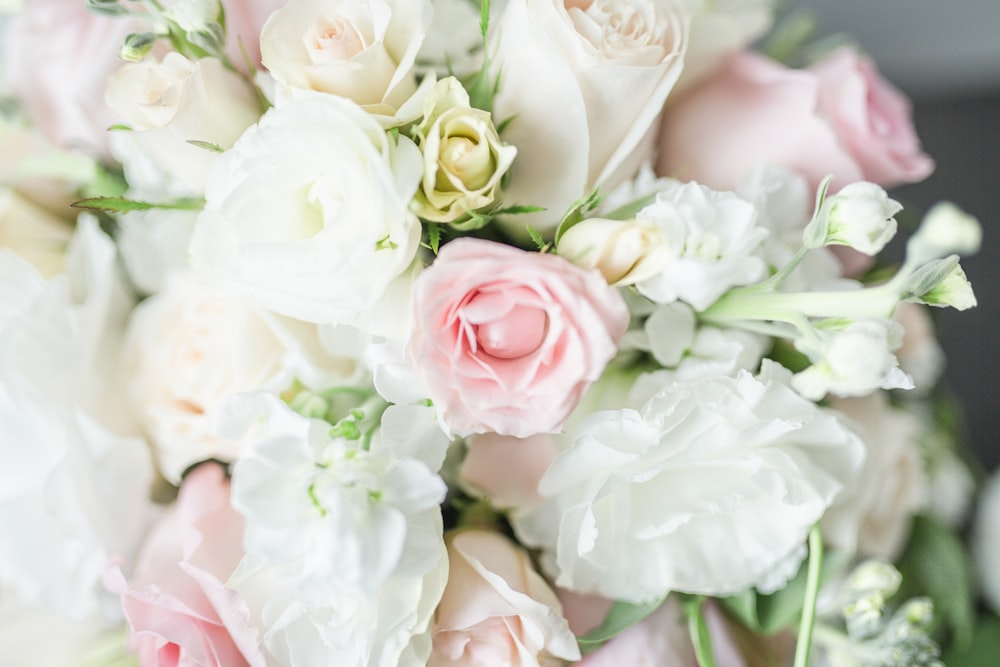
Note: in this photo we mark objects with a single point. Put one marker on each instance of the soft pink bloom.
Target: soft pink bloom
(506, 469)
(871, 117)
(180, 612)
(57, 57)
(830, 119)
(496, 610)
(244, 20)
(506, 340)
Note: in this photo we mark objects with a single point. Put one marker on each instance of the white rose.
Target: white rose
(853, 360)
(190, 346)
(171, 102)
(584, 83)
(712, 240)
(345, 554)
(360, 49)
(873, 514)
(705, 465)
(308, 215)
(624, 251)
(496, 610)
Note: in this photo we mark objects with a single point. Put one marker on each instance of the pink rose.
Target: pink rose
(818, 121)
(496, 610)
(57, 58)
(244, 20)
(177, 606)
(506, 340)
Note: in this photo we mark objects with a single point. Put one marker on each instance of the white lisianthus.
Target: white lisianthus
(712, 240)
(872, 516)
(859, 216)
(565, 69)
(363, 50)
(624, 251)
(345, 555)
(720, 479)
(172, 102)
(190, 346)
(854, 360)
(308, 215)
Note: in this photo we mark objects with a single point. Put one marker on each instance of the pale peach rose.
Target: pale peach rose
(179, 609)
(57, 58)
(838, 117)
(496, 610)
(33, 233)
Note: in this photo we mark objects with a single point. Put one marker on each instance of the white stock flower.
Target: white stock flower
(707, 489)
(345, 556)
(565, 67)
(308, 216)
(854, 360)
(872, 516)
(360, 49)
(859, 216)
(986, 542)
(190, 346)
(711, 243)
(171, 102)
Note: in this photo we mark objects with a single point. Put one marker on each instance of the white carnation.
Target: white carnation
(707, 489)
(308, 215)
(712, 239)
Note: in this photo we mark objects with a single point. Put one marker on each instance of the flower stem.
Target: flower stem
(804, 643)
(701, 638)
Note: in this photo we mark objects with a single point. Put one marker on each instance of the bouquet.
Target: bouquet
(397, 332)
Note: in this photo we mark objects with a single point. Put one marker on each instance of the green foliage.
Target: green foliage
(207, 145)
(621, 617)
(123, 205)
(576, 213)
(983, 648)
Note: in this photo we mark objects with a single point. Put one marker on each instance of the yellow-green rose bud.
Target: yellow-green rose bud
(464, 159)
(624, 251)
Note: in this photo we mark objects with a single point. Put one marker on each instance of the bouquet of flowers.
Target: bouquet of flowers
(397, 332)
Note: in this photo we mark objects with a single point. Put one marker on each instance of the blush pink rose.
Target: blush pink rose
(244, 20)
(818, 121)
(180, 612)
(506, 340)
(57, 57)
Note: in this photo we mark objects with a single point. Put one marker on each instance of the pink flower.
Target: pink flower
(177, 606)
(244, 20)
(836, 118)
(506, 340)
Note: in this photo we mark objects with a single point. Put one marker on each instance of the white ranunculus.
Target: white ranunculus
(584, 83)
(707, 489)
(308, 216)
(172, 102)
(854, 360)
(712, 242)
(345, 555)
(986, 542)
(190, 346)
(873, 514)
(363, 50)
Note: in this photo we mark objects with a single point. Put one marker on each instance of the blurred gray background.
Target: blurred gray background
(946, 56)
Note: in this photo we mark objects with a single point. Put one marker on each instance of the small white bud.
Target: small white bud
(949, 287)
(860, 216)
(624, 251)
(945, 230)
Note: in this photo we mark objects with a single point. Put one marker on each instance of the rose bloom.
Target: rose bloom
(360, 49)
(57, 59)
(506, 340)
(37, 235)
(755, 111)
(496, 610)
(584, 83)
(171, 102)
(176, 602)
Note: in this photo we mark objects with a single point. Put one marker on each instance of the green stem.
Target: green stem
(701, 638)
(779, 277)
(804, 643)
(752, 304)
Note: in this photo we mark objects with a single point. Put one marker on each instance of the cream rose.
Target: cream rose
(624, 251)
(584, 83)
(33, 233)
(171, 102)
(308, 215)
(496, 610)
(360, 49)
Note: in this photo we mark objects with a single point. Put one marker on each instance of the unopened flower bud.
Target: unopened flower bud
(859, 216)
(624, 251)
(950, 289)
(137, 46)
(945, 230)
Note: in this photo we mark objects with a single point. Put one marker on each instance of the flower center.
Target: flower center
(331, 39)
(519, 333)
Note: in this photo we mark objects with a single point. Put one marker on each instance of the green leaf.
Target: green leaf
(484, 18)
(628, 211)
(621, 617)
(576, 213)
(935, 564)
(207, 145)
(434, 237)
(118, 127)
(121, 204)
(536, 236)
(982, 649)
(517, 210)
